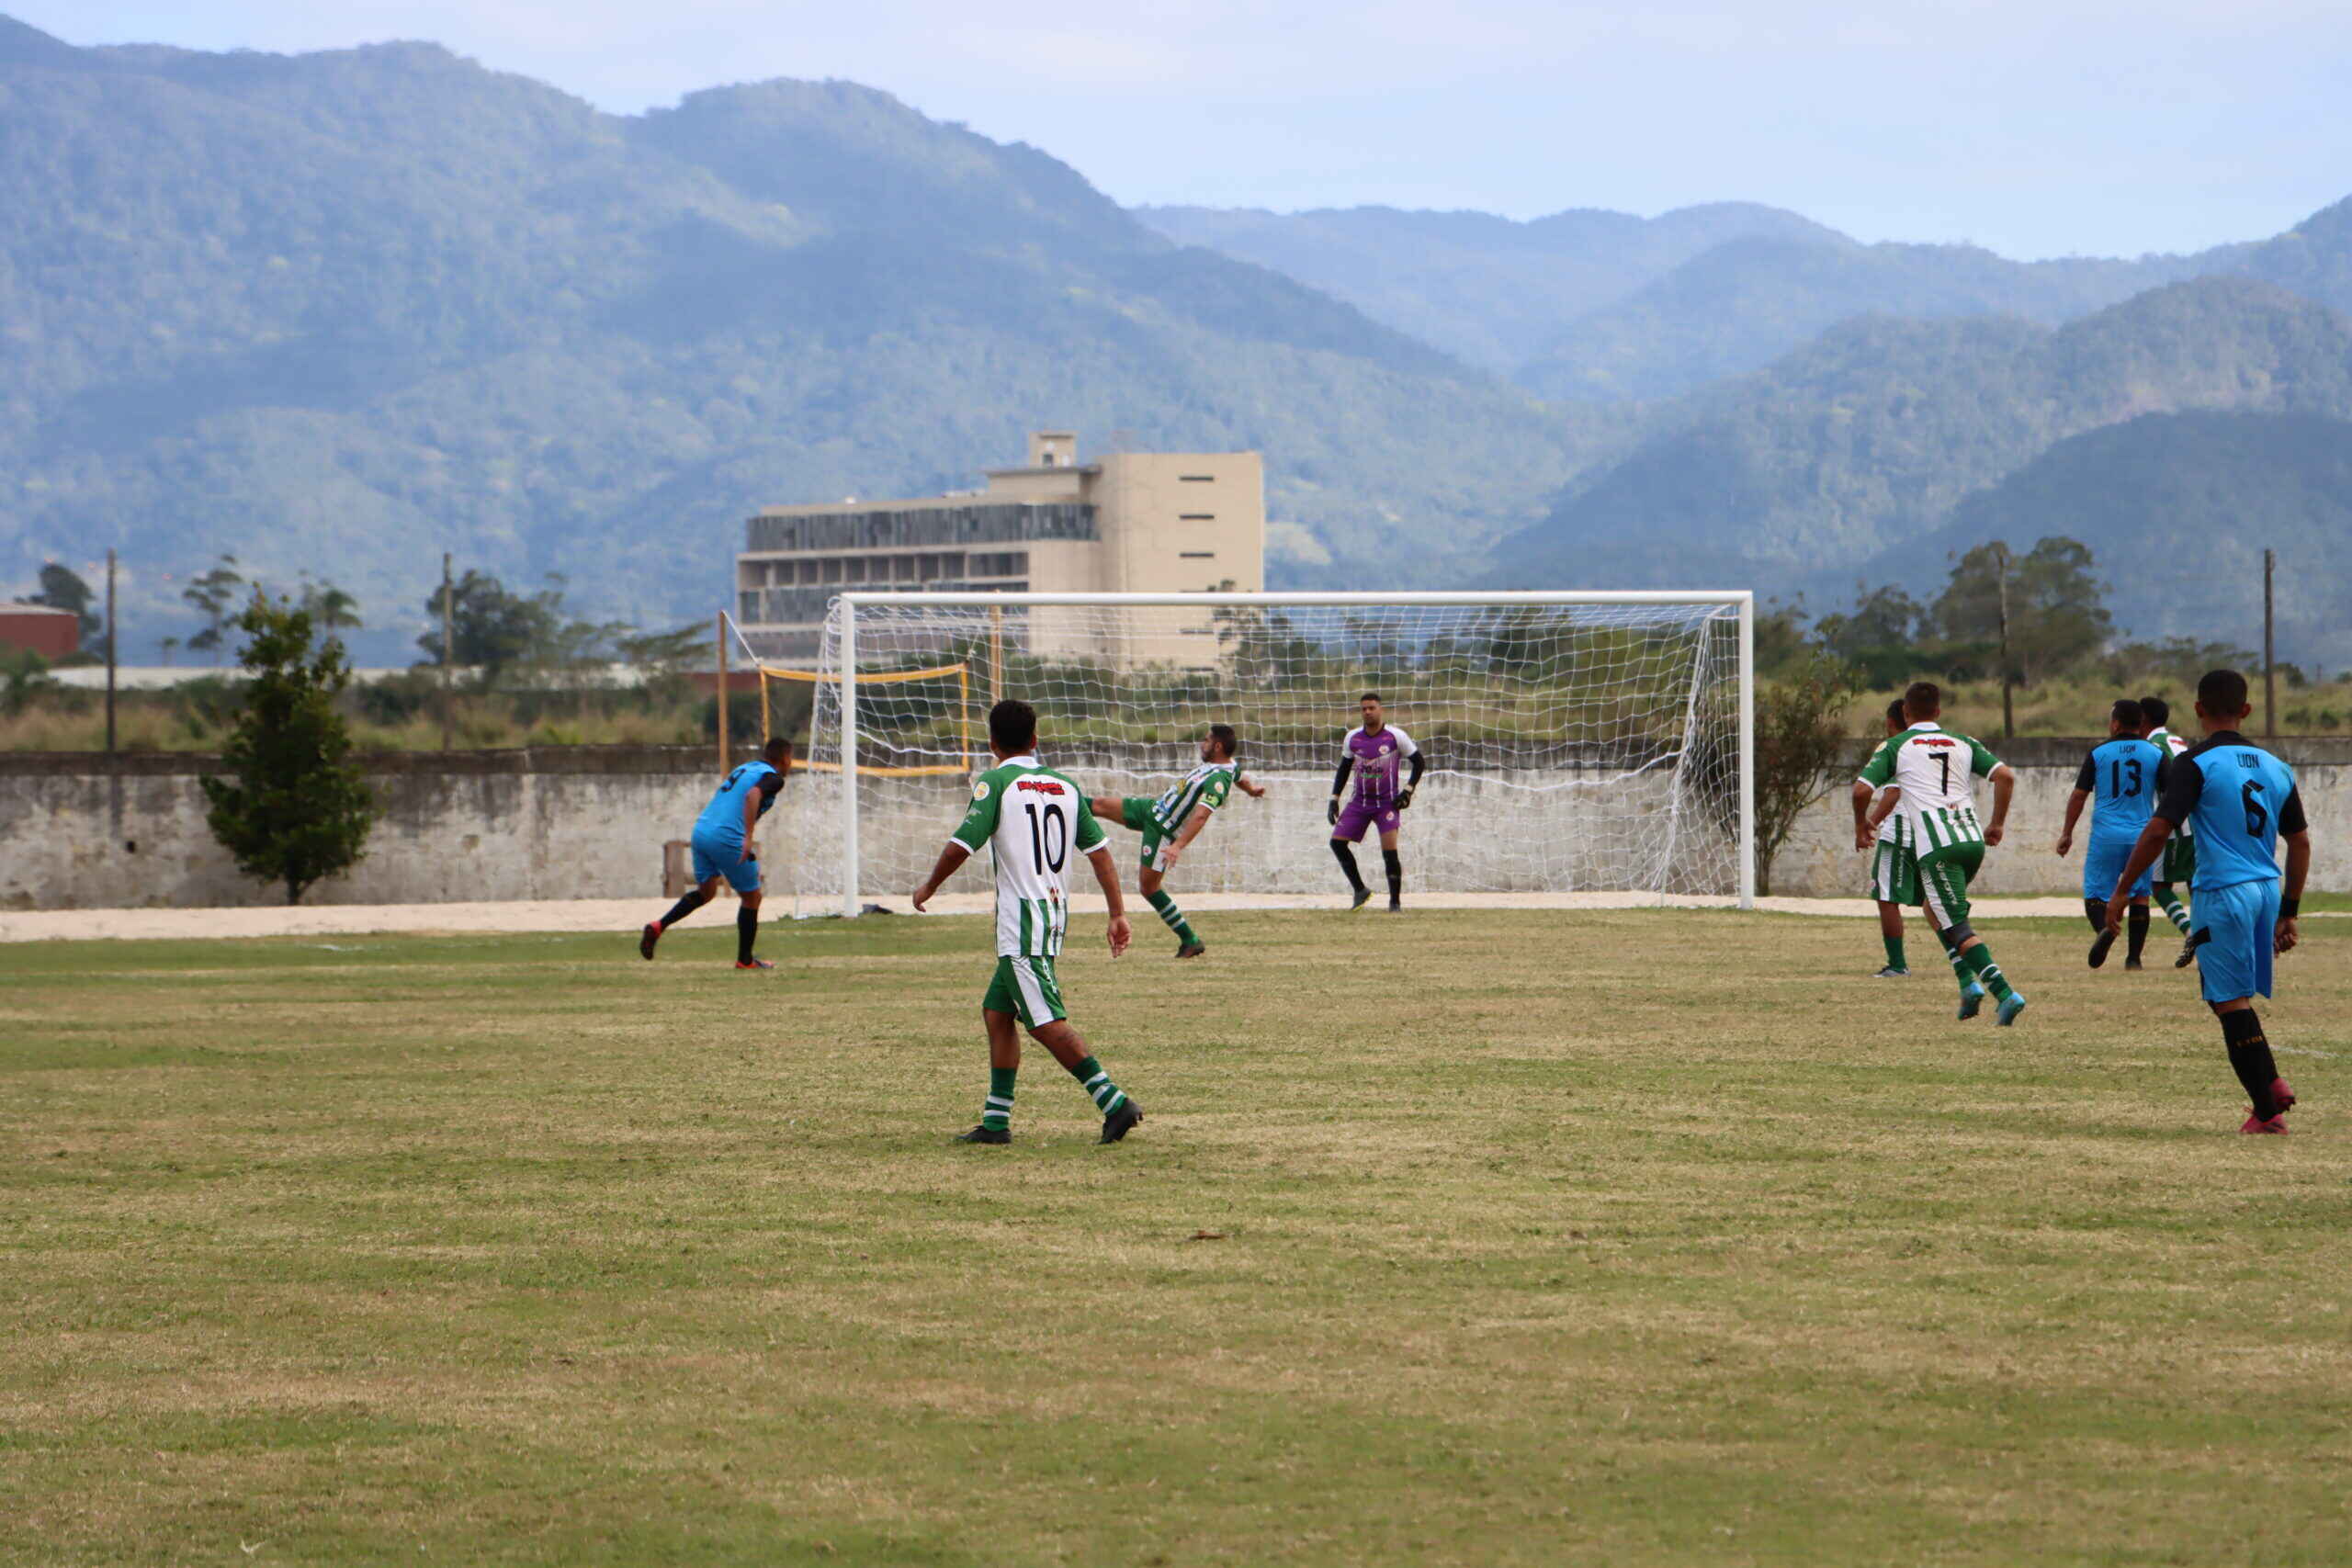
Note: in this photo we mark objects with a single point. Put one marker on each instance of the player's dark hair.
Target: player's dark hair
(2155, 711)
(1894, 713)
(2127, 712)
(1369, 697)
(1923, 699)
(1224, 735)
(775, 750)
(2222, 692)
(1012, 725)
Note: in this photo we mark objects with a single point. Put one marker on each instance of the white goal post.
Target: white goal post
(1574, 741)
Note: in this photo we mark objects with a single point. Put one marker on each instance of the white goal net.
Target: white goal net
(1574, 742)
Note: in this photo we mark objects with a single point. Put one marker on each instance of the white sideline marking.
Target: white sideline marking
(628, 915)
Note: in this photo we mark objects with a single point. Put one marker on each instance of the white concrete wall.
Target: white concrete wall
(579, 824)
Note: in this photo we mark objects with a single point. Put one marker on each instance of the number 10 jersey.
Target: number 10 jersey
(1937, 772)
(1033, 821)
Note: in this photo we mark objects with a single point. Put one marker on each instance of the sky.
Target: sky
(2036, 128)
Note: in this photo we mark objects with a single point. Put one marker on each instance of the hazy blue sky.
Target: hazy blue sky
(2035, 127)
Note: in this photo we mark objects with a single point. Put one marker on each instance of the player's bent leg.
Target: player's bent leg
(1120, 1112)
(1188, 945)
(2257, 1070)
(2103, 938)
(1343, 850)
(694, 899)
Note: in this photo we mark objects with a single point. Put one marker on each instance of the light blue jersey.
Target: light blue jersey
(2239, 798)
(2122, 778)
(721, 822)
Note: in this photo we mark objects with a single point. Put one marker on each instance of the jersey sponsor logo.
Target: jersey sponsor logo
(1934, 740)
(979, 789)
(1043, 786)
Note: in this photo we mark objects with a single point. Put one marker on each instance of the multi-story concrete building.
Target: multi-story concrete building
(1126, 522)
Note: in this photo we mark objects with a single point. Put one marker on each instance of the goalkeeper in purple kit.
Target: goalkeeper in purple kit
(1374, 751)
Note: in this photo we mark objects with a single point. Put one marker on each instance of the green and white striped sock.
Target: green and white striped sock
(1979, 960)
(1107, 1096)
(996, 1111)
(1172, 917)
(2175, 911)
(1959, 965)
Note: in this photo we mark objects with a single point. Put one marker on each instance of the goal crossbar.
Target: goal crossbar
(847, 679)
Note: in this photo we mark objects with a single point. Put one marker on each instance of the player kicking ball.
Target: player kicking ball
(1926, 777)
(722, 848)
(1373, 752)
(1171, 822)
(1031, 818)
(2240, 800)
(2120, 774)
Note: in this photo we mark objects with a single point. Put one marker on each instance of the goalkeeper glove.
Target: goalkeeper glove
(1404, 797)
(1332, 812)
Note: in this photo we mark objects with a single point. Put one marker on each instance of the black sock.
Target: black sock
(1348, 864)
(2136, 926)
(1388, 858)
(2096, 909)
(747, 926)
(2250, 1059)
(682, 909)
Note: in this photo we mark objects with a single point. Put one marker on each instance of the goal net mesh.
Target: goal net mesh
(1570, 747)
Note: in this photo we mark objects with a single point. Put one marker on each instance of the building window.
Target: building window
(1196, 517)
(999, 563)
(1196, 555)
(1197, 478)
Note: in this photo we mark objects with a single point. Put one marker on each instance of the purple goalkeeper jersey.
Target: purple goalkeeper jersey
(1378, 760)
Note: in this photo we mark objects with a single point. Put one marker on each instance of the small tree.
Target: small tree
(1798, 741)
(298, 809)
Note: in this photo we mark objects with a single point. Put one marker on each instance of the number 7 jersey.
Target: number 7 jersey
(1033, 821)
(1937, 772)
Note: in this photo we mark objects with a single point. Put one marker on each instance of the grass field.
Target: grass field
(1455, 1238)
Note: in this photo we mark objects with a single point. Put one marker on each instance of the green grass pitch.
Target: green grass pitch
(1454, 1238)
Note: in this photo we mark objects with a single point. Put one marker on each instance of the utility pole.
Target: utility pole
(111, 653)
(2269, 660)
(2009, 718)
(448, 644)
(725, 765)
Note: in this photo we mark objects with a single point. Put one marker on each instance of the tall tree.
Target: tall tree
(2058, 613)
(332, 609)
(491, 630)
(212, 594)
(296, 807)
(62, 588)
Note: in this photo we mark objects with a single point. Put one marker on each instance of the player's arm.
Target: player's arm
(2005, 787)
(1339, 782)
(1185, 835)
(2085, 783)
(1242, 783)
(1095, 845)
(2297, 832)
(754, 802)
(1863, 795)
(1412, 753)
(1876, 774)
(978, 826)
(2176, 801)
(1878, 813)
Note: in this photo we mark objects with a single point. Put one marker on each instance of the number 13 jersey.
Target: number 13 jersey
(1937, 772)
(1034, 822)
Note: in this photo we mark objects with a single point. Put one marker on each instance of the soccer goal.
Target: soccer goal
(1575, 742)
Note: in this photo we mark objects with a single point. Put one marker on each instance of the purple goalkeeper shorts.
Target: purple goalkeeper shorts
(1355, 817)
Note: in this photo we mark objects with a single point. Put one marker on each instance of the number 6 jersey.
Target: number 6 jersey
(1033, 821)
(1937, 772)
(2242, 796)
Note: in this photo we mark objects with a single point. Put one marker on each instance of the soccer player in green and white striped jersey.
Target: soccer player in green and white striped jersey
(2179, 866)
(1174, 819)
(1031, 819)
(1924, 784)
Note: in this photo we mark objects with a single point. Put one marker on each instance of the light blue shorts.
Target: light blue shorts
(2103, 861)
(2240, 924)
(717, 857)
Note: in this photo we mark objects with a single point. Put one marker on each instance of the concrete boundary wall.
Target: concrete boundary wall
(589, 822)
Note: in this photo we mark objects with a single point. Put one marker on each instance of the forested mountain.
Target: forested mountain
(1600, 306)
(1852, 458)
(1487, 289)
(2182, 506)
(342, 311)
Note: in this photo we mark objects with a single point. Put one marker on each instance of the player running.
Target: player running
(2180, 862)
(1895, 877)
(1171, 822)
(1373, 752)
(2120, 774)
(723, 848)
(2240, 801)
(1031, 819)
(1925, 778)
